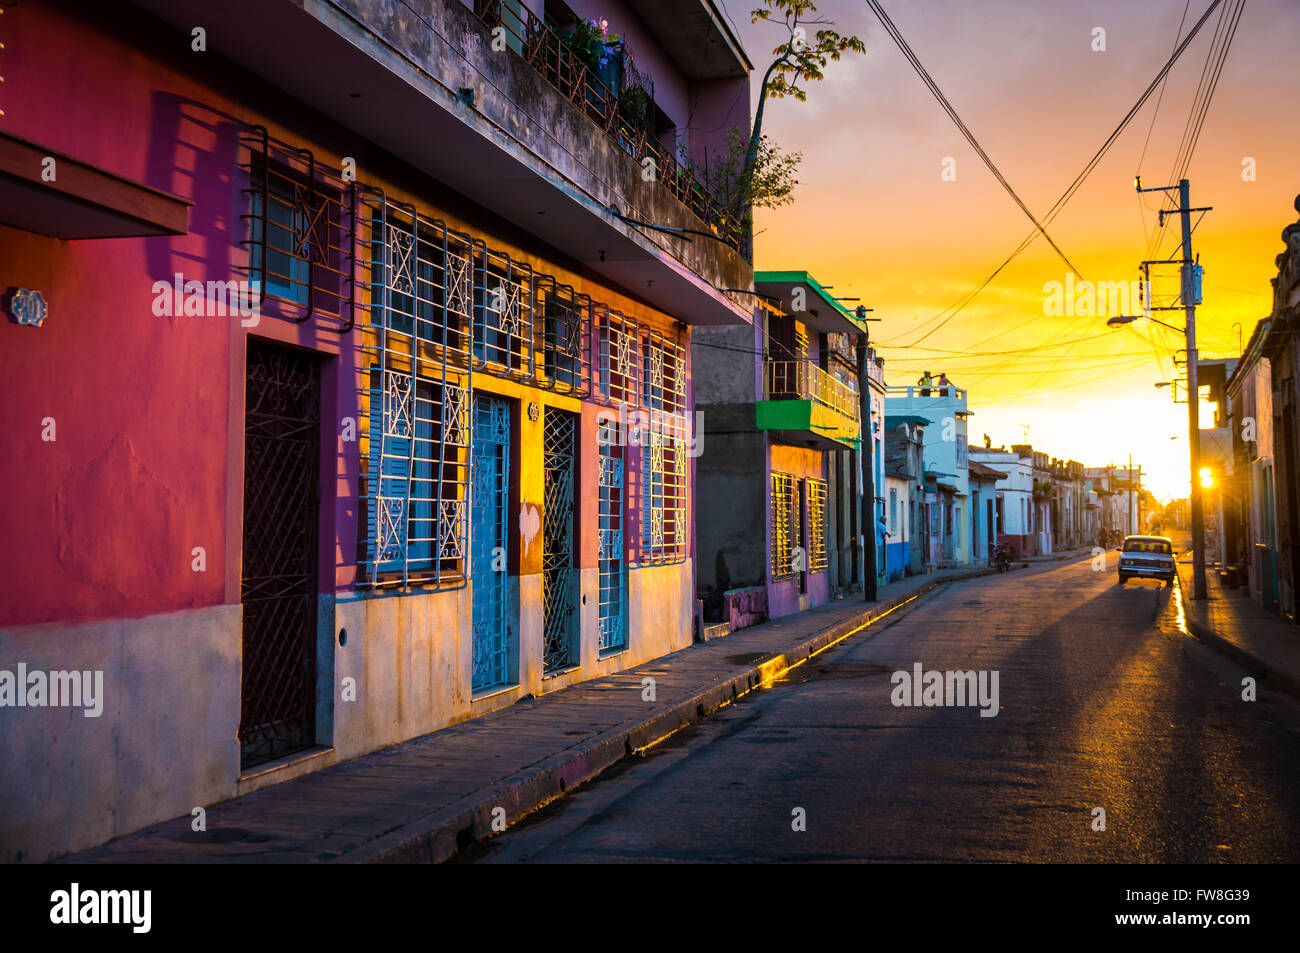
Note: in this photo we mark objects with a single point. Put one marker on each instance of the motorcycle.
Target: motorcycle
(1002, 558)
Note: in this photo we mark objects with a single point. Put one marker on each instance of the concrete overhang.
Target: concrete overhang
(79, 200)
(320, 53)
(695, 36)
(821, 312)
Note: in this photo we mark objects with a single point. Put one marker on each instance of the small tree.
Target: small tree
(797, 61)
(767, 182)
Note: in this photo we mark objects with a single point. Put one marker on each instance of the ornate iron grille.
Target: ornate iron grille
(816, 526)
(617, 337)
(281, 500)
(301, 231)
(664, 452)
(562, 323)
(559, 433)
(418, 280)
(490, 482)
(611, 561)
(503, 315)
(787, 533)
(414, 399)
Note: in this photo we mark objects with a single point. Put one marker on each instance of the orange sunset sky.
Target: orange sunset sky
(874, 218)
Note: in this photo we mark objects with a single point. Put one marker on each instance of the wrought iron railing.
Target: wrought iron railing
(550, 56)
(804, 380)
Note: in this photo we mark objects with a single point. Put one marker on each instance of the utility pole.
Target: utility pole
(1131, 526)
(1193, 395)
(1189, 272)
(1139, 499)
(867, 442)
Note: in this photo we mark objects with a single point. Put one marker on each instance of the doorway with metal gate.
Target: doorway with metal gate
(281, 525)
(559, 439)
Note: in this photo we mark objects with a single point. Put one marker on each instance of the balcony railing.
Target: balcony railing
(936, 391)
(804, 380)
(546, 52)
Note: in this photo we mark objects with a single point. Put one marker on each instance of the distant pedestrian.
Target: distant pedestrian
(943, 385)
(925, 382)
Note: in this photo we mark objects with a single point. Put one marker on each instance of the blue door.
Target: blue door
(612, 635)
(490, 494)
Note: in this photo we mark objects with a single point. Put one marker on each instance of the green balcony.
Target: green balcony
(807, 407)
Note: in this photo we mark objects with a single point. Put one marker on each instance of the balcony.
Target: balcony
(933, 402)
(805, 406)
(514, 136)
(623, 108)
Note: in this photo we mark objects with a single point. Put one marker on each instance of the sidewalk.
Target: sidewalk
(1265, 645)
(424, 799)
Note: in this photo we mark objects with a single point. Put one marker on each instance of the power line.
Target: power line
(921, 71)
(1082, 176)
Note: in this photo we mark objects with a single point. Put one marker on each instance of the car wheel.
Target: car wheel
(1123, 579)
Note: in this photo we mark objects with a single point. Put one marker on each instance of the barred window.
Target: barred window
(787, 524)
(419, 283)
(414, 491)
(816, 526)
(617, 337)
(300, 229)
(664, 528)
(562, 324)
(503, 314)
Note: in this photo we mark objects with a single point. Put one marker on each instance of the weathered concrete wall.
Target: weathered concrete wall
(164, 743)
(731, 496)
(725, 363)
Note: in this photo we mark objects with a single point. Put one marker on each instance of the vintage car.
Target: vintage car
(1147, 557)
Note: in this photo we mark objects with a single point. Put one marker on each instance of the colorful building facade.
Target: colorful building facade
(358, 408)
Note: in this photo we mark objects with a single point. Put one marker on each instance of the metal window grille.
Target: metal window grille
(816, 526)
(612, 560)
(414, 403)
(616, 336)
(414, 491)
(664, 530)
(418, 281)
(559, 441)
(562, 324)
(301, 231)
(503, 314)
(787, 531)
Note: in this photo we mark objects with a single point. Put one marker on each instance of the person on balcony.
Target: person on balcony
(943, 385)
(925, 383)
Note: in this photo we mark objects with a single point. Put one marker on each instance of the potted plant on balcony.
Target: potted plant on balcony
(634, 104)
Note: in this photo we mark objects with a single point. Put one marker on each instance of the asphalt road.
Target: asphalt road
(1103, 703)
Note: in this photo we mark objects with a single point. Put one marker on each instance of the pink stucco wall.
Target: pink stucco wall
(147, 464)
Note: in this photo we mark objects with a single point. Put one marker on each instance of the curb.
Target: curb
(1263, 671)
(439, 836)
